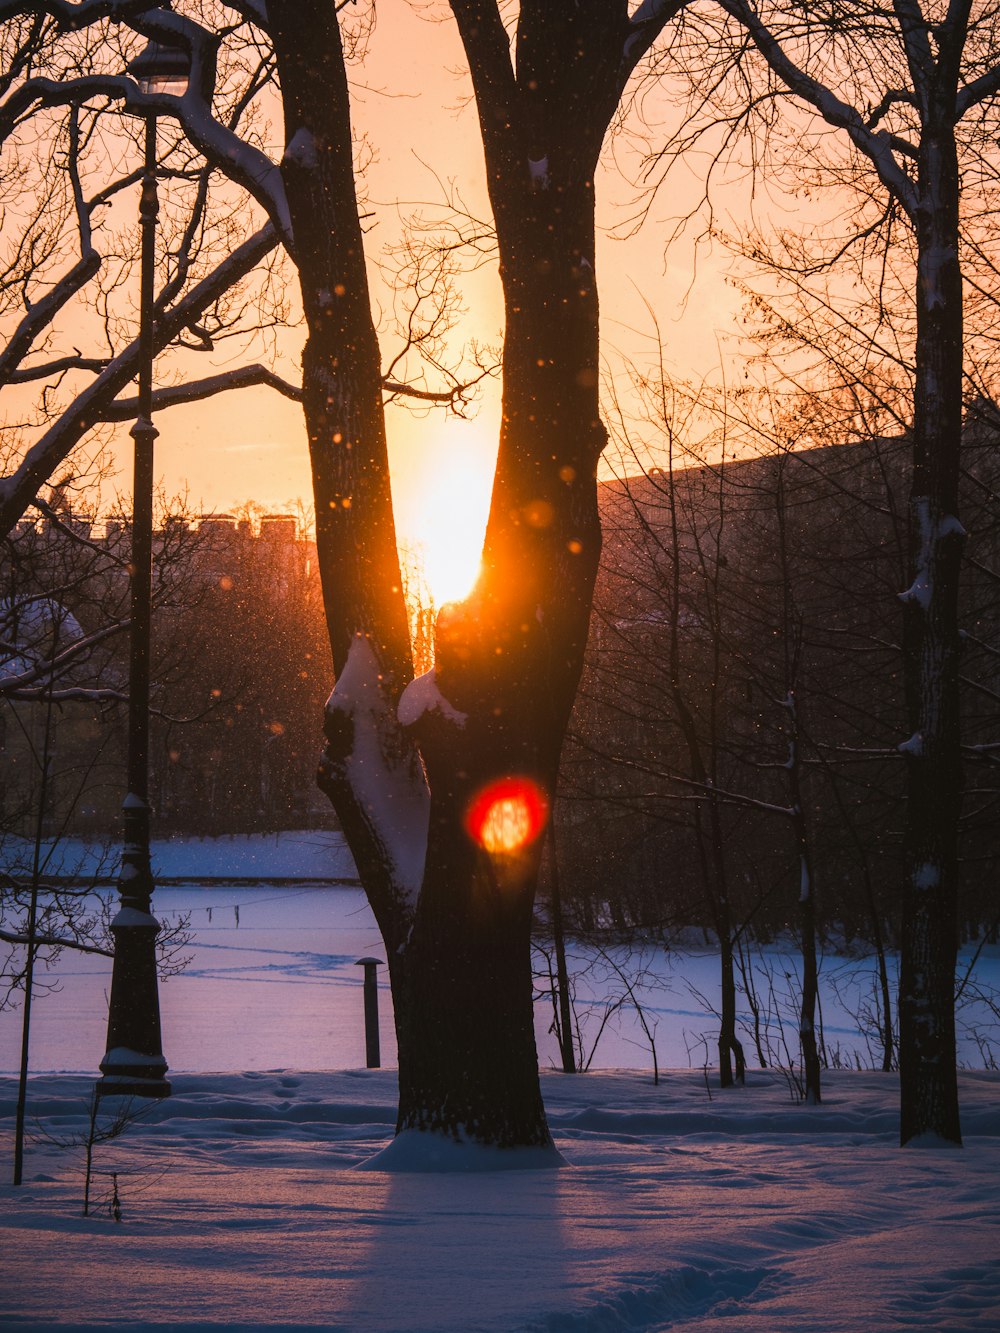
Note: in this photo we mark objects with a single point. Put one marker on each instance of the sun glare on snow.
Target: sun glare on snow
(507, 815)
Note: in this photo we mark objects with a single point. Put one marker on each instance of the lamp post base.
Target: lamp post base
(133, 1065)
(113, 1085)
(126, 1073)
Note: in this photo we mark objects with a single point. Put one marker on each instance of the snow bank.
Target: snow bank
(741, 1212)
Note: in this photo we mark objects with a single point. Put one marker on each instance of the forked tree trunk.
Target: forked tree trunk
(404, 768)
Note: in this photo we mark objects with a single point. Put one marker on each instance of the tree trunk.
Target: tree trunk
(455, 917)
(564, 1006)
(931, 647)
(711, 847)
(810, 977)
(792, 641)
(730, 1046)
(507, 661)
(468, 1067)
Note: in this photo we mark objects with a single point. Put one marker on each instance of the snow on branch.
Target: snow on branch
(876, 145)
(50, 369)
(979, 90)
(70, 694)
(248, 166)
(54, 942)
(41, 313)
(646, 23)
(919, 56)
(70, 16)
(240, 161)
(242, 377)
(23, 670)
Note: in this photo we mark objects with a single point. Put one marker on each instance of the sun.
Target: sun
(449, 565)
(442, 494)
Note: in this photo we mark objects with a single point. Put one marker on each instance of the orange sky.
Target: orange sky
(252, 445)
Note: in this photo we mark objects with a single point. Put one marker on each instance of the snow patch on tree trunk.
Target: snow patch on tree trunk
(913, 745)
(421, 696)
(392, 796)
(301, 149)
(931, 532)
(927, 876)
(538, 172)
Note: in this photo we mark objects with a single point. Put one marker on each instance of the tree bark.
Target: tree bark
(342, 401)
(931, 647)
(563, 1001)
(508, 661)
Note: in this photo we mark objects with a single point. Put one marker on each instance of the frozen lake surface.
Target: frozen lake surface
(272, 983)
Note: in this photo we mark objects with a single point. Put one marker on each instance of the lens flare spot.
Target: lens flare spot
(507, 815)
(539, 513)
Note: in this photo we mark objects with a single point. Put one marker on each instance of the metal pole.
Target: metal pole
(32, 932)
(133, 1064)
(372, 1053)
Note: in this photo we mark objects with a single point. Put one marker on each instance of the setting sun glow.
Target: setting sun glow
(443, 499)
(507, 815)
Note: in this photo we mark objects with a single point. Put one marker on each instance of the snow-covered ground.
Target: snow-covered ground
(680, 1206)
(273, 982)
(241, 1205)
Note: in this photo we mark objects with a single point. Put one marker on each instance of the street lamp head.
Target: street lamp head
(161, 69)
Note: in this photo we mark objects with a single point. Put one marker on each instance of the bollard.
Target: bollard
(372, 1055)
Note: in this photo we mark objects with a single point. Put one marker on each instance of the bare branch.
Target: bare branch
(876, 146)
(19, 488)
(243, 377)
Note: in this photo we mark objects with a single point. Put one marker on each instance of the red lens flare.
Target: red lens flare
(507, 815)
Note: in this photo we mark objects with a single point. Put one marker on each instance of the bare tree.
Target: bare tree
(62, 615)
(911, 91)
(67, 110)
(455, 918)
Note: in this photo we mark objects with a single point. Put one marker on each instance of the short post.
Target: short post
(372, 1055)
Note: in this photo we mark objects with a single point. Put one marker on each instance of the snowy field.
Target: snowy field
(273, 983)
(679, 1206)
(242, 1205)
(277, 927)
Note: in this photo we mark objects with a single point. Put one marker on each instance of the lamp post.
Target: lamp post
(133, 1064)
